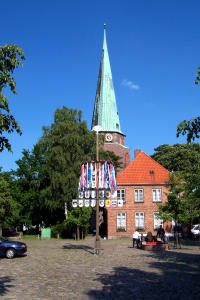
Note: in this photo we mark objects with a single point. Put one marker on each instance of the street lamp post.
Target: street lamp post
(97, 239)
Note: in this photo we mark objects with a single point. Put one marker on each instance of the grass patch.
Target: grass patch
(30, 237)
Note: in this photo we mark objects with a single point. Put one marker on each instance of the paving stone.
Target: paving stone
(65, 269)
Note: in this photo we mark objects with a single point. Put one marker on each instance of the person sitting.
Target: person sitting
(136, 239)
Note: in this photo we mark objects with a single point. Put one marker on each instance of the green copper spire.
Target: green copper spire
(105, 112)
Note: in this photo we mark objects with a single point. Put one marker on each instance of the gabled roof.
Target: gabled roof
(143, 169)
(105, 112)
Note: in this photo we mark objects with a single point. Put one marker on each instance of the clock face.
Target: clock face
(108, 137)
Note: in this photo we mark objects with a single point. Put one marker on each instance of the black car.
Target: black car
(11, 249)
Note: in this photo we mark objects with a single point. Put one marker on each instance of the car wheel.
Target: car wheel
(10, 253)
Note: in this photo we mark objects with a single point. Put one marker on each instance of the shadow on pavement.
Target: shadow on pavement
(164, 279)
(4, 285)
(175, 256)
(79, 247)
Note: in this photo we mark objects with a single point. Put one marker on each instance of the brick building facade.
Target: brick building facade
(142, 185)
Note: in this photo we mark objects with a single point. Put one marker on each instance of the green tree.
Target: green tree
(11, 56)
(191, 128)
(192, 197)
(66, 144)
(174, 208)
(26, 186)
(184, 161)
(79, 217)
(8, 208)
(179, 158)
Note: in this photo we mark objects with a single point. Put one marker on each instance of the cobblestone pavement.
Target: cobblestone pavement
(65, 269)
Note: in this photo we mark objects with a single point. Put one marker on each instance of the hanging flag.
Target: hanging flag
(90, 176)
(93, 194)
(114, 178)
(101, 194)
(107, 203)
(102, 175)
(101, 203)
(105, 175)
(87, 175)
(120, 203)
(114, 203)
(114, 194)
(87, 194)
(74, 202)
(107, 194)
(99, 173)
(80, 202)
(93, 176)
(87, 202)
(80, 195)
(93, 202)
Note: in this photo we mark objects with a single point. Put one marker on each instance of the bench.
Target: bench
(154, 246)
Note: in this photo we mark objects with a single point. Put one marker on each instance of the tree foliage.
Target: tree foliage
(8, 208)
(66, 144)
(181, 158)
(27, 183)
(191, 128)
(11, 57)
(184, 161)
(174, 207)
(79, 217)
(198, 76)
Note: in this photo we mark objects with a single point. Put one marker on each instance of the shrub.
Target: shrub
(64, 230)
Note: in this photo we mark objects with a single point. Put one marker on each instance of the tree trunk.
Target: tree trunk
(78, 233)
(66, 211)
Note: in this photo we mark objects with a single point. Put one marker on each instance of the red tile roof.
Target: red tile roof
(143, 169)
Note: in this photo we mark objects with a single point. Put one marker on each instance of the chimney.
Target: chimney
(136, 152)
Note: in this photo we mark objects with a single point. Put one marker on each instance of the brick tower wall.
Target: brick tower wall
(117, 146)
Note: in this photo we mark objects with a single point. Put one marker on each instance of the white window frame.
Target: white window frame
(139, 195)
(139, 220)
(156, 221)
(121, 221)
(157, 195)
(121, 195)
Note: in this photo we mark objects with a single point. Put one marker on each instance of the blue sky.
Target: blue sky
(154, 49)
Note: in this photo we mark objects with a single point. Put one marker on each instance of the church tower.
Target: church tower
(105, 112)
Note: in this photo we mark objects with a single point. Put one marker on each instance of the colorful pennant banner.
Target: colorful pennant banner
(99, 175)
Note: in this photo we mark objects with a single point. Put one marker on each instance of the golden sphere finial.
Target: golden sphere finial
(104, 25)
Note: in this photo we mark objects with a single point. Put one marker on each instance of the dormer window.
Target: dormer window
(117, 125)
